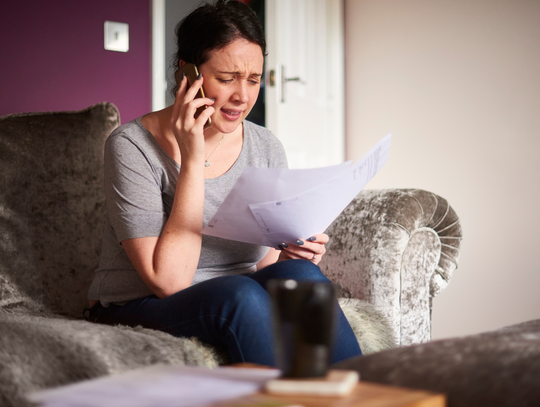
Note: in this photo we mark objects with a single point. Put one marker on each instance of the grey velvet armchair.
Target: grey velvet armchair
(390, 252)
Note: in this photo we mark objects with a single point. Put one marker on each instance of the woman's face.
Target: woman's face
(232, 75)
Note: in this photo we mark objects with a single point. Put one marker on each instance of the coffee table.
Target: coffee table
(365, 394)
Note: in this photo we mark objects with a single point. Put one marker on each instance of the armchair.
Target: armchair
(396, 249)
(390, 252)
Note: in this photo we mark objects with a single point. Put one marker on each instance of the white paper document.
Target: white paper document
(159, 386)
(270, 206)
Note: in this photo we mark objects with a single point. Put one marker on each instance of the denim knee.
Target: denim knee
(309, 271)
(243, 292)
(300, 270)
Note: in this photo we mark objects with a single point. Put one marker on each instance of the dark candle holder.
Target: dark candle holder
(303, 315)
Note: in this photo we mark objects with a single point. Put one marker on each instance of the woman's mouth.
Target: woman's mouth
(231, 114)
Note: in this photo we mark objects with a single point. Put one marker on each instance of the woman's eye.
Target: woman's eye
(224, 80)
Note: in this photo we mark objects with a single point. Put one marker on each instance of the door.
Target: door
(304, 84)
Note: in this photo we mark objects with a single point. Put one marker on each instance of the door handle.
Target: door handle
(297, 79)
(284, 80)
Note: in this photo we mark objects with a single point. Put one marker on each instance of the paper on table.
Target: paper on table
(272, 206)
(159, 386)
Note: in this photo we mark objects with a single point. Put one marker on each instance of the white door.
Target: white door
(305, 80)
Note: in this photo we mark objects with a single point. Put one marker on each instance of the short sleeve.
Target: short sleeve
(278, 157)
(265, 148)
(135, 205)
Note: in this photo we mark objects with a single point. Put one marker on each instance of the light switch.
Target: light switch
(116, 36)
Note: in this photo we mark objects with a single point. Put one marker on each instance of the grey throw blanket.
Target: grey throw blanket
(39, 350)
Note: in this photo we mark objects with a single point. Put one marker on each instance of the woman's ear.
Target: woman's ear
(181, 63)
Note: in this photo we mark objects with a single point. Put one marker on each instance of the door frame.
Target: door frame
(336, 151)
(159, 59)
(336, 65)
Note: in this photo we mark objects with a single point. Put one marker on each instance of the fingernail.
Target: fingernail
(284, 245)
(299, 242)
(312, 239)
(200, 75)
(183, 76)
(213, 99)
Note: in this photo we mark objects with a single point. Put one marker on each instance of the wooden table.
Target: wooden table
(364, 395)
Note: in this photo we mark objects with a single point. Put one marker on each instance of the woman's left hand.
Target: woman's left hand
(311, 249)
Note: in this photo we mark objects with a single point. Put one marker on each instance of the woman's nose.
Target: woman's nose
(241, 93)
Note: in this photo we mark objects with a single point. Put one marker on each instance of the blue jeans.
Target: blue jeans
(230, 312)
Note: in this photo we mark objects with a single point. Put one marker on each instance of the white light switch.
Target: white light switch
(116, 36)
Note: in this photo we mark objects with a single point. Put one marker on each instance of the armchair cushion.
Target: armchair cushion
(51, 206)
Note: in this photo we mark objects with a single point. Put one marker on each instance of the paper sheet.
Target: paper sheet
(159, 386)
(271, 206)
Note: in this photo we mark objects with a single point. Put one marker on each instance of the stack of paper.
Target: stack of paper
(271, 206)
(159, 386)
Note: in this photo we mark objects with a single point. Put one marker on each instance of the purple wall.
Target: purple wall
(52, 56)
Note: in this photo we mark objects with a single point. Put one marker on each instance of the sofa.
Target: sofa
(390, 252)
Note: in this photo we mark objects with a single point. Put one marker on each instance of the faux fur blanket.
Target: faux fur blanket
(40, 351)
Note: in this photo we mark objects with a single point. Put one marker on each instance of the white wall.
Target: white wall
(457, 82)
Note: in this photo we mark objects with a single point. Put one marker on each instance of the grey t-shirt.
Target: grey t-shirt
(140, 182)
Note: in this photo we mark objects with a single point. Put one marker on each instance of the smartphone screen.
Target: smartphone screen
(192, 73)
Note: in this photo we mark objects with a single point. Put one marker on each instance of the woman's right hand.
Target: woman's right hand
(168, 263)
(188, 131)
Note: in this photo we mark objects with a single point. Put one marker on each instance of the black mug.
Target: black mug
(303, 317)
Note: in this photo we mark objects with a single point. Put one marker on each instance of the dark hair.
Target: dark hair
(214, 26)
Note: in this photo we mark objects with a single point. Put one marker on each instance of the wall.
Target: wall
(52, 56)
(457, 84)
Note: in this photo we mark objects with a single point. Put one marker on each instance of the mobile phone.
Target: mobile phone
(192, 72)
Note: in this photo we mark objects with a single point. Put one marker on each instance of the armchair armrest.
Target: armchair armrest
(396, 249)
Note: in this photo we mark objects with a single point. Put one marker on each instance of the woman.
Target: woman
(165, 177)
